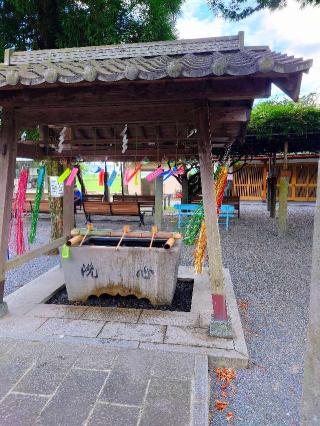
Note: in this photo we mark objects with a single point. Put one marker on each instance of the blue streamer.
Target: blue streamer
(112, 178)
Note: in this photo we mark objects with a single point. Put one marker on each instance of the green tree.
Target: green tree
(235, 10)
(49, 24)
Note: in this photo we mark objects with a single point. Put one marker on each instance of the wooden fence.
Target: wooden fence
(250, 183)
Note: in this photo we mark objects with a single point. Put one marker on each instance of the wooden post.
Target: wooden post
(273, 188)
(211, 220)
(310, 413)
(158, 208)
(269, 186)
(8, 154)
(68, 209)
(283, 193)
(185, 189)
(106, 192)
(264, 182)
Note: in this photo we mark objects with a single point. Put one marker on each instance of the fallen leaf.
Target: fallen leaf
(221, 405)
(225, 374)
(229, 416)
(224, 394)
(243, 305)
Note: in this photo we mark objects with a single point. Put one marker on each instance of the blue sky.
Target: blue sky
(290, 30)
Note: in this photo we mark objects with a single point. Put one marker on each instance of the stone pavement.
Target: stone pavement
(185, 332)
(62, 384)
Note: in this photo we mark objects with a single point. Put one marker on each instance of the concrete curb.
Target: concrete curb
(200, 392)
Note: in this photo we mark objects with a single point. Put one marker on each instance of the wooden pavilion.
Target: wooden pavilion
(161, 90)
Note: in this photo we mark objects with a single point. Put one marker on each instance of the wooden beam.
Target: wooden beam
(119, 114)
(8, 153)
(95, 116)
(97, 93)
(211, 219)
(40, 251)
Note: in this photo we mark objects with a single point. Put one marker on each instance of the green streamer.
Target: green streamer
(194, 224)
(65, 252)
(36, 206)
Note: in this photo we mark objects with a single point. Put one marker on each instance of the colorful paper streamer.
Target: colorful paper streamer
(64, 175)
(170, 173)
(154, 174)
(36, 206)
(101, 178)
(180, 171)
(137, 168)
(112, 178)
(72, 176)
(126, 176)
(135, 181)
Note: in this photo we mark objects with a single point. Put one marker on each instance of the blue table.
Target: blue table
(185, 210)
(226, 212)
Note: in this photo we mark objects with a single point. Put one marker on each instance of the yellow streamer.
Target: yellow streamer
(200, 249)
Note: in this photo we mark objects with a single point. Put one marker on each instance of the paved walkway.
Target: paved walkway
(60, 384)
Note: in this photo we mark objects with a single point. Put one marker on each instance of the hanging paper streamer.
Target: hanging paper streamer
(65, 252)
(36, 206)
(200, 249)
(61, 139)
(64, 175)
(101, 178)
(72, 176)
(126, 176)
(124, 139)
(154, 174)
(135, 182)
(137, 168)
(112, 178)
(170, 173)
(18, 210)
(180, 171)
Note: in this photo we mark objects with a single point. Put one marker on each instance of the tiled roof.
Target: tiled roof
(146, 61)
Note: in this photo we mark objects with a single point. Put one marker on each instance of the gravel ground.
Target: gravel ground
(18, 277)
(271, 277)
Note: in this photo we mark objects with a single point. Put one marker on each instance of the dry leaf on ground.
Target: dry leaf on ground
(221, 405)
(229, 416)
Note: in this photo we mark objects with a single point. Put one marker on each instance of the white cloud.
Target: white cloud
(290, 30)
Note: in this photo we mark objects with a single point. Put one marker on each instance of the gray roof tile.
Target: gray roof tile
(146, 61)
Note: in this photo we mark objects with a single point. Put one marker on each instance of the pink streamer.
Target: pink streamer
(72, 176)
(154, 174)
(126, 176)
(180, 171)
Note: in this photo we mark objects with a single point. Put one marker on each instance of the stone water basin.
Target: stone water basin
(98, 267)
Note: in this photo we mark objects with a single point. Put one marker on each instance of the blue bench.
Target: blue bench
(226, 212)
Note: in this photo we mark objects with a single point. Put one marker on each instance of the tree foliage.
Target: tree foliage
(235, 10)
(284, 118)
(48, 24)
